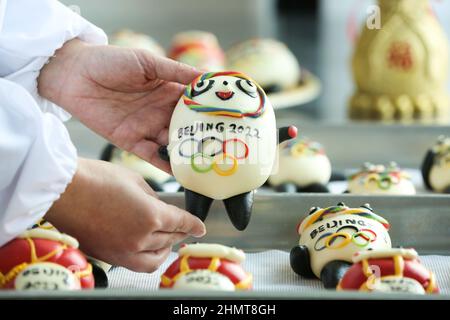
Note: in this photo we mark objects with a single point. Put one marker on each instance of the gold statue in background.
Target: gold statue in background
(401, 69)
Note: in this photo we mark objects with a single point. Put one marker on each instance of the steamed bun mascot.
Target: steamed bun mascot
(222, 143)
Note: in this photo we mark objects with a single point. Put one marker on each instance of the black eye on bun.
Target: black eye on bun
(247, 87)
(201, 87)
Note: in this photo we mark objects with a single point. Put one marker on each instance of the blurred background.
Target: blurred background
(321, 34)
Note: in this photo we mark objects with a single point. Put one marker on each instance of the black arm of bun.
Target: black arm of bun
(107, 152)
(287, 133)
(426, 168)
(164, 153)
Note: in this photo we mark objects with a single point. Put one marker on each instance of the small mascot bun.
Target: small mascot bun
(222, 143)
(378, 179)
(389, 271)
(330, 237)
(42, 258)
(156, 178)
(130, 39)
(436, 166)
(268, 61)
(205, 266)
(303, 166)
(199, 49)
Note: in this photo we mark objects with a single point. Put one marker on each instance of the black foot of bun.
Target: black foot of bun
(106, 154)
(300, 263)
(333, 272)
(239, 209)
(154, 185)
(197, 204)
(338, 176)
(286, 187)
(100, 277)
(314, 188)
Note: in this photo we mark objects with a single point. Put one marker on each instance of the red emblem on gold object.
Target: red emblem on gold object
(400, 56)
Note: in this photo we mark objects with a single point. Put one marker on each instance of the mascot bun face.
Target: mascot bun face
(223, 142)
(222, 136)
(229, 94)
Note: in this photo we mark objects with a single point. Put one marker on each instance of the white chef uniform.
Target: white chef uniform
(37, 158)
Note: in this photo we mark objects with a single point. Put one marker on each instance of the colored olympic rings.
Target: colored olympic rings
(203, 142)
(197, 168)
(213, 160)
(224, 147)
(331, 239)
(214, 165)
(228, 172)
(298, 149)
(185, 155)
(366, 234)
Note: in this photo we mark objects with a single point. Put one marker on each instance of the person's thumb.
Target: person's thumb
(169, 70)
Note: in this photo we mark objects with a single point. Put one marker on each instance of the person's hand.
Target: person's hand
(118, 218)
(125, 95)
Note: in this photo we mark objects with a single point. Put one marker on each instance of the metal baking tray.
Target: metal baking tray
(348, 145)
(421, 222)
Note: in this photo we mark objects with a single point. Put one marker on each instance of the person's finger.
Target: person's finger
(148, 151)
(168, 69)
(159, 240)
(174, 219)
(147, 189)
(147, 261)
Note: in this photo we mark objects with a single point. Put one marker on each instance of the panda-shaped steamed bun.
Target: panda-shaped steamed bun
(436, 166)
(267, 61)
(330, 237)
(303, 166)
(199, 49)
(222, 143)
(382, 180)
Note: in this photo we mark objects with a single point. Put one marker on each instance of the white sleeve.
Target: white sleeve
(30, 33)
(38, 160)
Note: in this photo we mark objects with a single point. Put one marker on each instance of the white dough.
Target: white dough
(46, 276)
(133, 162)
(130, 39)
(404, 187)
(440, 178)
(267, 61)
(302, 170)
(258, 133)
(395, 284)
(368, 181)
(386, 253)
(207, 250)
(204, 280)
